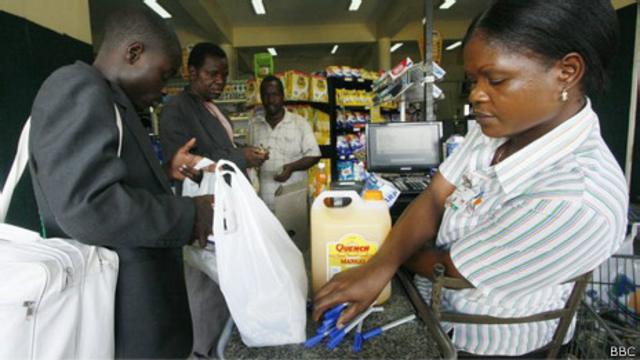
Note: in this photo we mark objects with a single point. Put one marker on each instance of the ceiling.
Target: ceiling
(297, 12)
(300, 12)
(217, 19)
(303, 31)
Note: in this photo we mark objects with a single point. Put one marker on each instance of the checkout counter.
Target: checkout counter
(404, 154)
(419, 339)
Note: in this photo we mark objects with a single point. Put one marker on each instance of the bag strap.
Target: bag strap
(22, 157)
(119, 126)
(19, 163)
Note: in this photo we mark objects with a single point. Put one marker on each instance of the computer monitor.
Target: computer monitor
(403, 147)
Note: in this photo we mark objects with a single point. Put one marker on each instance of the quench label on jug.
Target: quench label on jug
(351, 250)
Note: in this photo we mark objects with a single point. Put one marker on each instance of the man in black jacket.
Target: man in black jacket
(87, 191)
(192, 114)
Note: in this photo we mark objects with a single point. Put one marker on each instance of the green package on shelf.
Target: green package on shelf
(262, 65)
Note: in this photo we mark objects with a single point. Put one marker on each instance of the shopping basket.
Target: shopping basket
(608, 321)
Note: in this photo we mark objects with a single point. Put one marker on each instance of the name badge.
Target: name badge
(467, 196)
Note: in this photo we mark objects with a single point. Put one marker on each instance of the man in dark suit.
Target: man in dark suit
(192, 114)
(87, 191)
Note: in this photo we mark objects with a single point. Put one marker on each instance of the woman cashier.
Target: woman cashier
(528, 202)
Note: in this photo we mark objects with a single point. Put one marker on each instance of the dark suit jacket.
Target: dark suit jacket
(183, 118)
(86, 192)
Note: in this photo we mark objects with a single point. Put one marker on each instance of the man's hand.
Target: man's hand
(203, 222)
(359, 286)
(254, 156)
(285, 174)
(182, 164)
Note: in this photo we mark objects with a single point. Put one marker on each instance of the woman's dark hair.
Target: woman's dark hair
(271, 79)
(554, 28)
(201, 50)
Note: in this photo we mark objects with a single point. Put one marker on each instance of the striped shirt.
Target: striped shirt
(517, 230)
(291, 140)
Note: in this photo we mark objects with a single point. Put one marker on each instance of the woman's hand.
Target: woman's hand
(417, 226)
(358, 286)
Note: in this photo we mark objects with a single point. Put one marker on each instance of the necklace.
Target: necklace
(500, 153)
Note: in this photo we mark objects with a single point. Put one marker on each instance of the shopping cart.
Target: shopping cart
(608, 321)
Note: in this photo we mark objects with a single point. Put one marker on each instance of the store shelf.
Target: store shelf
(354, 107)
(355, 129)
(305, 102)
(350, 80)
(230, 101)
(334, 84)
(239, 118)
(328, 151)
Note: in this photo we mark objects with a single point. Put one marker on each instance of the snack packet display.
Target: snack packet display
(318, 89)
(253, 92)
(296, 86)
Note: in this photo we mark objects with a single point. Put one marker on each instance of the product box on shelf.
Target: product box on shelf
(436, 46)
(318, 89)
(253, 91)
(351, 97)
(322, 128)
(351, 73)
(296, 86)
(234, 90)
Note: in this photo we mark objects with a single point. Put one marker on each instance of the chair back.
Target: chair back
(565, 315)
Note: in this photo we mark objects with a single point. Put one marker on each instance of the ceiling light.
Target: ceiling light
(335, 48)
(396, 46)
(153, 4)
(447, 4)
(454, 45)
(355, 5)
(258, 7)
(272, 51)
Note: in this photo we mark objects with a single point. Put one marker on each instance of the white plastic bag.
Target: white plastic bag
(206, 186)
(261, 272)
(199, 258)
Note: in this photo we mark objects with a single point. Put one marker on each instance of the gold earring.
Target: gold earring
(564, 95)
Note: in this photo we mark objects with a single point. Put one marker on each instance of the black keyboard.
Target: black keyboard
(411, 184)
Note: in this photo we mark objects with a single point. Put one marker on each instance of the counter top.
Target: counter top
(408, 341)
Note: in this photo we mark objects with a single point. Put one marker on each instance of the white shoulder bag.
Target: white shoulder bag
(57, 296)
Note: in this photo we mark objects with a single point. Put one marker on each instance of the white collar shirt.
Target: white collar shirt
(518, 230)
(290, 140)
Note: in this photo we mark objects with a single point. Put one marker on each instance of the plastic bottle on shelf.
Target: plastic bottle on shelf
(321, 180)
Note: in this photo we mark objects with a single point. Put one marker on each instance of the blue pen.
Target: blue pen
(379, 330)
(335, 311)
(327, 325)
(357, 342)
(338, 335)
(330, 317)
(311, 342)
